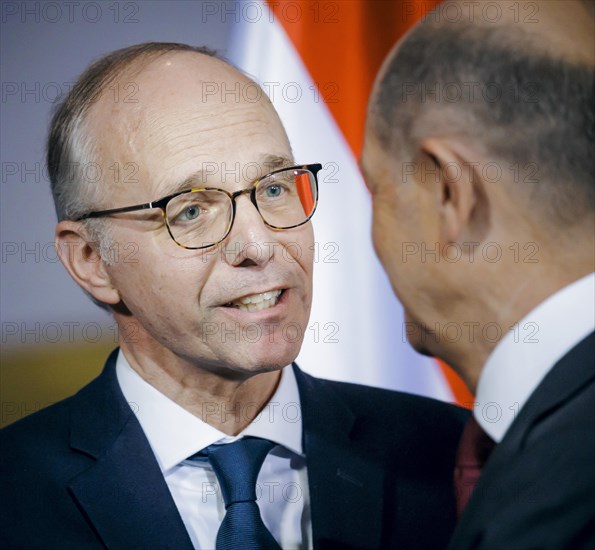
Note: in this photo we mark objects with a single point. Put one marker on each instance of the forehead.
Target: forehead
(185, 112)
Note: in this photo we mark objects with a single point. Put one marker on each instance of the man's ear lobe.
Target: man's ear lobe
(457, 194)
(83, 262)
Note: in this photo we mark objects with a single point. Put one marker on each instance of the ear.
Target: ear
(82, 260)
(456, 187)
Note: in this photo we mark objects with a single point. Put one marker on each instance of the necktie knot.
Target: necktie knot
(237, 466)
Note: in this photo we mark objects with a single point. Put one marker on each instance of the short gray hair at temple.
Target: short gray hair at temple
(71, 148)
(544, 115)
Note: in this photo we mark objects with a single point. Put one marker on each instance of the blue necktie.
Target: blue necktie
(236, 466)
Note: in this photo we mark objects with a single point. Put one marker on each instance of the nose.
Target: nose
(250, 242)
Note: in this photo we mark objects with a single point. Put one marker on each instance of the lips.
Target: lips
(256, 302)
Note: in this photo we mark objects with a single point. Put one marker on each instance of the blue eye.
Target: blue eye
(273, 191)
(190, 213)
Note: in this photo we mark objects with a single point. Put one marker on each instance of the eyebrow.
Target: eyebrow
(197, 179)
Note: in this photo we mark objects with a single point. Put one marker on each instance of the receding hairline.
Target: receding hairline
(135, 66)
(208, 69)
(69, 141)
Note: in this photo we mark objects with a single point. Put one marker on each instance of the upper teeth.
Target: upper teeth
(256, 302)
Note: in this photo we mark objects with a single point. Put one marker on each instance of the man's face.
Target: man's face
(190, 115)
(403, 224)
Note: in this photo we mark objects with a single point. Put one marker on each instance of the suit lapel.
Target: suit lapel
(123, 494)
(566, 378)
(346, 490)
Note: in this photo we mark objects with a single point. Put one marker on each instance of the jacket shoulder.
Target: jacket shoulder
(380, 402)
(390, 419)
(53, 422)
(45, 432)
(41, 424)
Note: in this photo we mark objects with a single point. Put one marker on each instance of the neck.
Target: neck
(227, 400)
(509, 300)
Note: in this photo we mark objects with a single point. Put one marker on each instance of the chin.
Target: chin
(268, 360)
(418, 336)
(264, 357)
(420, 347)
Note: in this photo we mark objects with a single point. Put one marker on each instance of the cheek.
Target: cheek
(157, 282)
(385, 234)
(299, 248)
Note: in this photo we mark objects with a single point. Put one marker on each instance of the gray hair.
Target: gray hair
(498, 91)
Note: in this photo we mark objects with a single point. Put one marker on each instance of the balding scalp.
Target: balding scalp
(498, 90)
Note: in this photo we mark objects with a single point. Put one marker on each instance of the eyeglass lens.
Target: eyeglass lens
(201, 218)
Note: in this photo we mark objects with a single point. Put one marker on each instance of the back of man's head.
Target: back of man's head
(517, 87)
(478, 154)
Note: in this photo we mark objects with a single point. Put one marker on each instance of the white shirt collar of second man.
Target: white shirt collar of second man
(522, 359)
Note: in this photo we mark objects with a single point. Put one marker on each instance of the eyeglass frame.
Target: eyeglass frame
(163, 202)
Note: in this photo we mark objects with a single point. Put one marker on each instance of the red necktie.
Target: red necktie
(474, 449)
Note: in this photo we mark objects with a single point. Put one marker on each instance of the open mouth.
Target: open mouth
(257, 302)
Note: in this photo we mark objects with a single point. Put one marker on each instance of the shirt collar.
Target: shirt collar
(529, 350)
(175, 434)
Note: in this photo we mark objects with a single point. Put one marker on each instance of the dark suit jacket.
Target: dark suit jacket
(537, 490)
(81, 473)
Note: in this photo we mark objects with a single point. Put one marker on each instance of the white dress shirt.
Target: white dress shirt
(521, 360)
(175, 434)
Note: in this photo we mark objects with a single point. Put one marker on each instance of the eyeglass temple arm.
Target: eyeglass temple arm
(102, 213)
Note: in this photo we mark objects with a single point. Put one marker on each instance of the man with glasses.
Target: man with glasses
(202, 217)
(200, 410)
